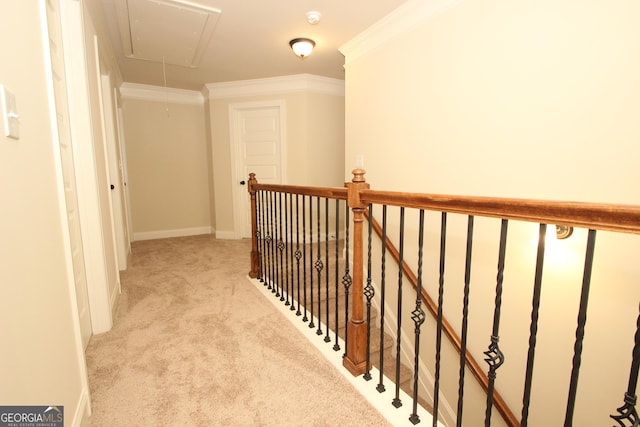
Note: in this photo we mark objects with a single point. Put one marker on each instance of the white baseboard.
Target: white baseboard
(164, 234)
(82, 412)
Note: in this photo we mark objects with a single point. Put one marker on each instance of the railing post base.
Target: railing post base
(356, 360)
(255, 264)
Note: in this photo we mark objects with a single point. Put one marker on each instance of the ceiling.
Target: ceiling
(228, 40)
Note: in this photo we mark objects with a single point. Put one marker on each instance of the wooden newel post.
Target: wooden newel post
(255, 255)
(356, 358)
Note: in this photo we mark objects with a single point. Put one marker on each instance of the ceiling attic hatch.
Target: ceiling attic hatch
(169, 31)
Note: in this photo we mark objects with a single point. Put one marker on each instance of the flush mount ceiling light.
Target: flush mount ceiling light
(302, 47)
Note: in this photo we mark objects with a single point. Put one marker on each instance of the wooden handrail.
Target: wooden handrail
(328, 192)
(472, 364)
(597, 216)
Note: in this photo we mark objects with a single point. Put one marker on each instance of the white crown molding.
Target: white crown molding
(160, 94)
(402, 20)
(275, 86)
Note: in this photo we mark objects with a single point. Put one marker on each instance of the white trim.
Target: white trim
(274, 86)
(66, 11)
(160, 94)
(402, 20)
(164, 234)
(82, 412)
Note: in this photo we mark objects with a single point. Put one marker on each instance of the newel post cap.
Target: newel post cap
(354, 187)
(358, 175)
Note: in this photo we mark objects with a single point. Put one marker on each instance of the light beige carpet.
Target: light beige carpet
(195, 344)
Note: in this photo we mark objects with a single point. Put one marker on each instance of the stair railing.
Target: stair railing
(449, 331)
(359, 197)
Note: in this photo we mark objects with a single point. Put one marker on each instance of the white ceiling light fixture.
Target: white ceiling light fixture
(302, 47)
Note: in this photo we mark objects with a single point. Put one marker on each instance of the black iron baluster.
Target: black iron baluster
(311, 324)
(465, 320)
(276, 282)
(396, 400)
(418, 317)
(327, 338)
(285, 244)
(304, 257)
(270, 240)
(298, 252)
(495, 358)
(346, 279)
(336, 345)
(369, 293)
(628, 411)
(319, 266)
(274, 245)
(436, 386)
(582, 321)
(260, 233)
(533, 329)
(280, 246)
(290, 246)
(380, 387)
(257, 233)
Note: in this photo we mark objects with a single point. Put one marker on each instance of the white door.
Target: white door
(114, 170)
(257, 143)
(68, 167)
(123, 176)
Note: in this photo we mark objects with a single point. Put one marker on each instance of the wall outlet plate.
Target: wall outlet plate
(9, 113)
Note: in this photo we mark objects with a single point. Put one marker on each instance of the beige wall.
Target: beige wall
(167, 162)
(533, 99)
(40, 356)
(314, 145)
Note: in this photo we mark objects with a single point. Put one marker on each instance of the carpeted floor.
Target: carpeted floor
(195, 344)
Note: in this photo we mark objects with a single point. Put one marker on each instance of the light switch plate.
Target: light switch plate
(9, 113)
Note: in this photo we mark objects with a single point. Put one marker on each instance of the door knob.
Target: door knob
(242, 183)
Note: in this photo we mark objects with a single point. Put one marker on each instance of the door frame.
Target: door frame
(239, 191)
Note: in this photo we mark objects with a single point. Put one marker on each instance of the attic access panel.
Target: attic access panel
(170, 31)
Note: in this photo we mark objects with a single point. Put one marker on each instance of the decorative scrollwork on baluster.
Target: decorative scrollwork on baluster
(369, 291)
(628, 413)
(418, 316)
(347, 281)
(495, 357)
